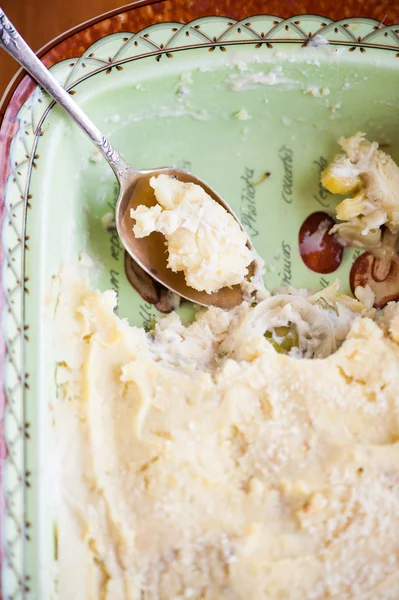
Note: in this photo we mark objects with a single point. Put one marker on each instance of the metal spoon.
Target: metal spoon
(134, 188)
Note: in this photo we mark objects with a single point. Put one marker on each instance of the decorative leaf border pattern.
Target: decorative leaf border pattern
(108, 54)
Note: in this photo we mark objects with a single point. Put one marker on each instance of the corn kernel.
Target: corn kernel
(340, 176)
(351, 207)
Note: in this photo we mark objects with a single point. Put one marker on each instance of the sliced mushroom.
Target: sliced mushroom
(379, 270)
(150, 290)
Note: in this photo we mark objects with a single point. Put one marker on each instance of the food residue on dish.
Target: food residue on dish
(371, 178)
(242, 115)
(246, 81)
(316, 91)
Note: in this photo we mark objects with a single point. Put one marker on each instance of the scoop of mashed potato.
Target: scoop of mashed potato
(203, 239)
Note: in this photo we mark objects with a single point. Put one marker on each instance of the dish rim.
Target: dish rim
(19, 89)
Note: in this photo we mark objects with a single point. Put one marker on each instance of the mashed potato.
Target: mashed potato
(203, 239)
(250, 455)
(198, 462)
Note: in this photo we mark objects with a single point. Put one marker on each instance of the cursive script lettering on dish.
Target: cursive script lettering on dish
(286, 156)
(287, 270)
(322, 195)
(324, 283)
(116, 251)
(145, 311)
(248, 211)
(185, 164)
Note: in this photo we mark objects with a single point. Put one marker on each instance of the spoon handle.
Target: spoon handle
(15, 45)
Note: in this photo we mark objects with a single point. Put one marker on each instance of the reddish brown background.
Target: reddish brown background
(39, 21)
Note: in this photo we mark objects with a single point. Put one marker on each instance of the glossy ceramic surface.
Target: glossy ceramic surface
(170, 94)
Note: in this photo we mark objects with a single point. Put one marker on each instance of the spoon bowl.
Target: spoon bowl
(150, 252)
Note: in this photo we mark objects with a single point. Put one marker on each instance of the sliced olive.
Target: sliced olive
(283, 338)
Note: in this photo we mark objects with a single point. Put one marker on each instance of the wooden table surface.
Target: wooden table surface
(55, 17)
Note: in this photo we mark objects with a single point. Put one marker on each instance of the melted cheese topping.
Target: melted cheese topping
(199, 463)
(203, 239)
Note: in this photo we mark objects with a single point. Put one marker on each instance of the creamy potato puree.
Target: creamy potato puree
(203, 239)
(200, 463)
